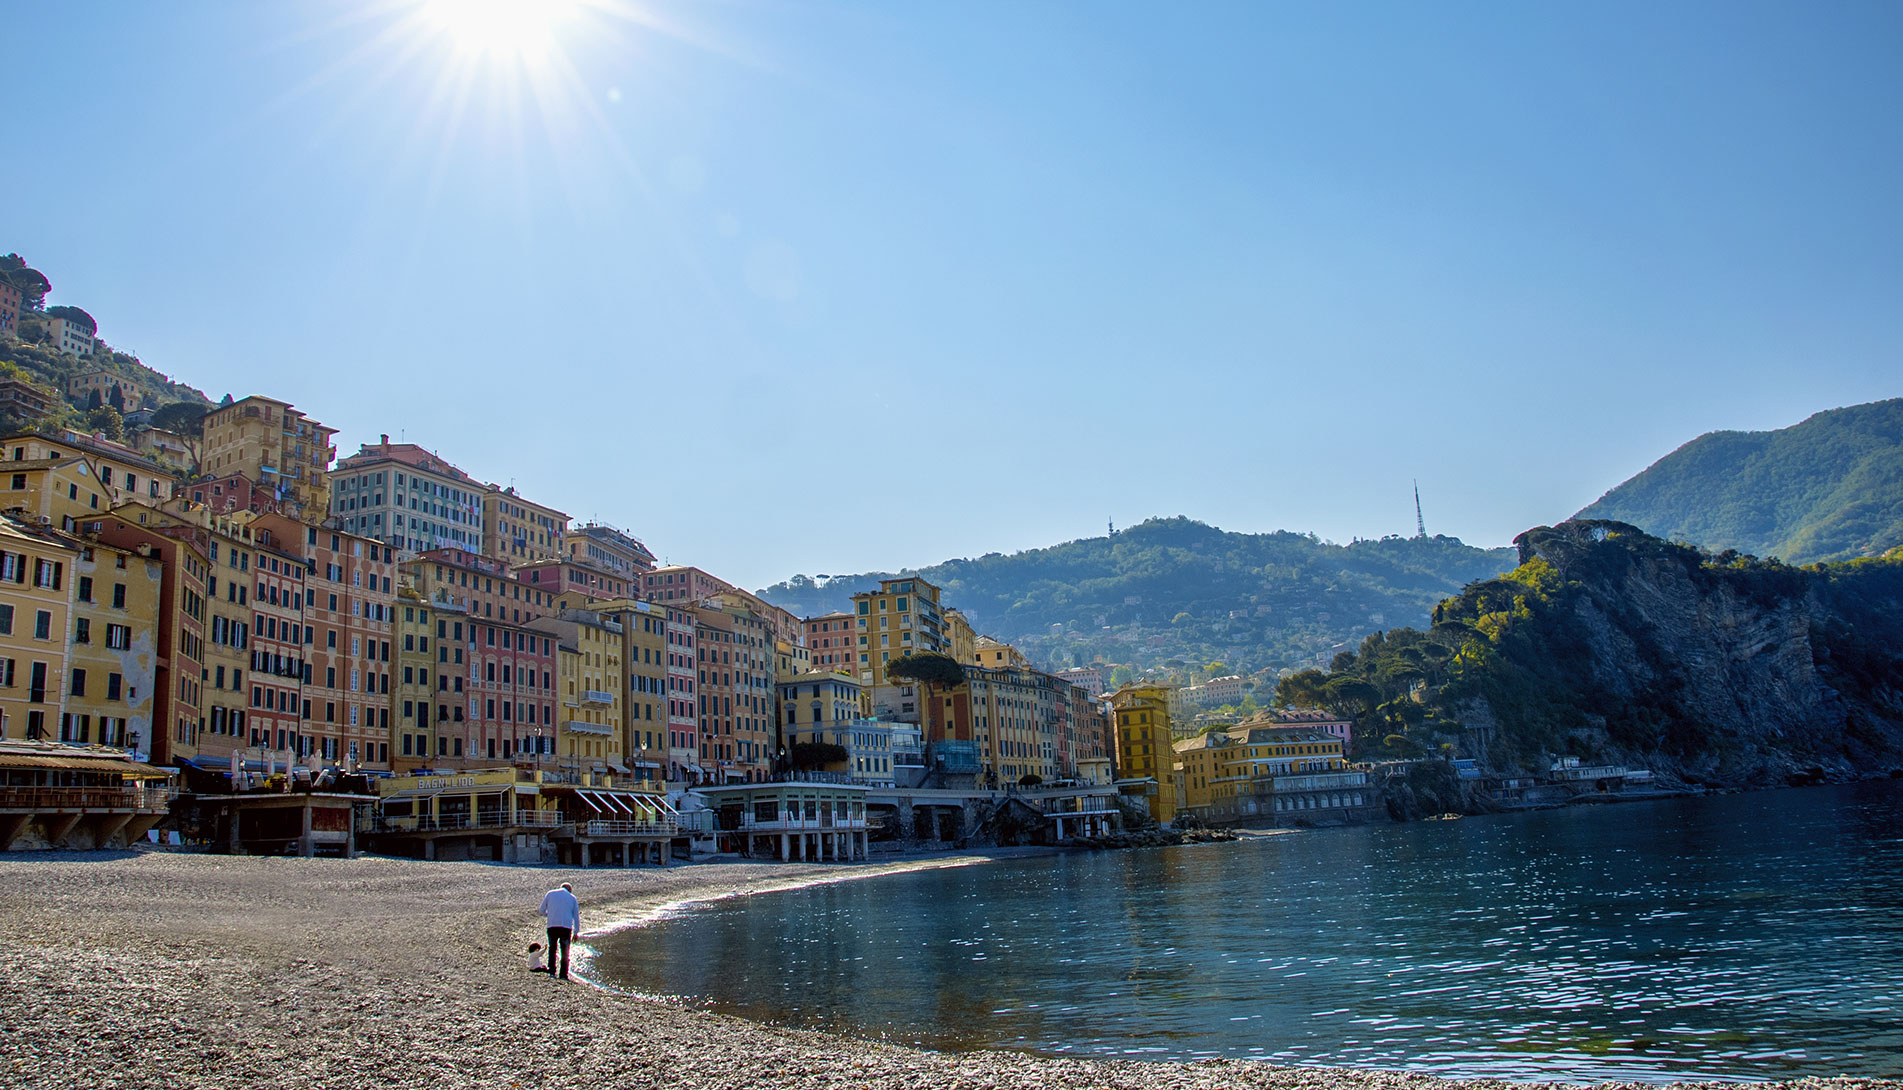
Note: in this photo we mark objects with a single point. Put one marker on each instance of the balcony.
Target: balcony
(134, 797)
(1320, 781)
(596, 696)
(579, 727)
(607, 827)
(484, 819)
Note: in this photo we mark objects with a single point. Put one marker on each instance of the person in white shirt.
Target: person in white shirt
(563, 912)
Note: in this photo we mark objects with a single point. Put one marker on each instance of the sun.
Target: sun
(500, 29)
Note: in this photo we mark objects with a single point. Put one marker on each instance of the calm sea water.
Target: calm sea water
(1745, 936)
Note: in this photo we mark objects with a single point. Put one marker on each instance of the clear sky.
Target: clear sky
(827, 287)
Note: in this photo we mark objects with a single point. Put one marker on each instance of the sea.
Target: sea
(1742, 936)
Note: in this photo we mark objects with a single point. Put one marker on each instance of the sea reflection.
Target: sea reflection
(1747, 936)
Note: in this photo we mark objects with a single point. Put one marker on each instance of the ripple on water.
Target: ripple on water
(1743, 937)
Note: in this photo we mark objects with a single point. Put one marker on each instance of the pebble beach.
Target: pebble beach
(175, 969)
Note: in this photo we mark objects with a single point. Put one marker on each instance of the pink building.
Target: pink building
(829, 642)
(683, 719)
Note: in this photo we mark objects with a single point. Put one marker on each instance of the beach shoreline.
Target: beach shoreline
(175, 969)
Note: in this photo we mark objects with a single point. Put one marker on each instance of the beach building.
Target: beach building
(77, 796)
(734, 672)
(1145, 748)
(36, 605)
(588, 648)
(1277, 775)
(415, 742)
(177, 684)
(644, 649)
(795, 819)
(112, 673)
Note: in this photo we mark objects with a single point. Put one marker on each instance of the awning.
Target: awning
(647, 764)
(134, 769)
(413, 793)
(589, 798)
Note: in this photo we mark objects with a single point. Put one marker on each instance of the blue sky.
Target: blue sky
(1262, 264)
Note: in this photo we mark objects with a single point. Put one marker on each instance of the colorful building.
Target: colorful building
(901, 618)
(72, 336)
(277, 447)
(181, 617)
(831, 642)
(644, 647)
(734, 673)
(496, 672)
(36, 606)
(1145, 748)
(588, 646)
(519, 531)
(607, 549)
(113, 665)
(685, 749)
(414, 742)
(409, 498)
(350, 603)
(92, 475)
(1273, 775)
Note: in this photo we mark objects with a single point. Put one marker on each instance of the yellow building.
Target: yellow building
(61, 475)
(518, 531)
(589, 727)
(275, 446)
(1145, 748)
(412, 697)
(961, 640)
(112, 663)
(1199, 767)
(993, 655)
(644, 690)
(36, 595)
(901, 618)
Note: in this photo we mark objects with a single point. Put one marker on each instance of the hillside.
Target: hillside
(1829, 488)
(1178, 590)
(1611, 645)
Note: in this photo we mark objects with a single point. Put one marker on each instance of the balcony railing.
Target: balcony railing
(482, 819)
(596, 696)
(580, 727)
(136, 798)
(800, 824)
(1320, 781)
(606, 827)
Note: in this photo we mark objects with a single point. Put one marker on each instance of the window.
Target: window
(43, 625)
(82, 631)
(78, 687)
(113, 684)
(119, 594)
(119, 637)
(85, 588)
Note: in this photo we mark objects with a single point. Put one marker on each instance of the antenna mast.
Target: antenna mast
(1420, 523)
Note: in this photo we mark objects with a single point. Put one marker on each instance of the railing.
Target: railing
(583, 727)
(1320, 780)
(596, 696)
(626, 828)
(796, 825)
(483, 819)
(147, 799)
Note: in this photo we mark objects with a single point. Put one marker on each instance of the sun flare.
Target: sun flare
(500, 29)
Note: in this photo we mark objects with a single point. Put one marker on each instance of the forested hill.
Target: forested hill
(1613, 646)
(1176, 589)
(1828, 488)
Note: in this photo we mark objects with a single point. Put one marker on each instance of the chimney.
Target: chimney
(386, 444)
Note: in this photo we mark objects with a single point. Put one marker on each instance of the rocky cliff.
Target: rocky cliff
(1612, 645)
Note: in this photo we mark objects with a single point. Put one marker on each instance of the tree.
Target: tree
(1030, 779)
(1216, 669)
(32, 283)
(928, 668)
(817, 755)
(182, 418)
(106, 421)
(75, 315)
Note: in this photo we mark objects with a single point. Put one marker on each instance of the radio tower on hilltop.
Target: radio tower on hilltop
(1420, 523)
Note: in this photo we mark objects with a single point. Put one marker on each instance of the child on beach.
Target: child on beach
(535, 958)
